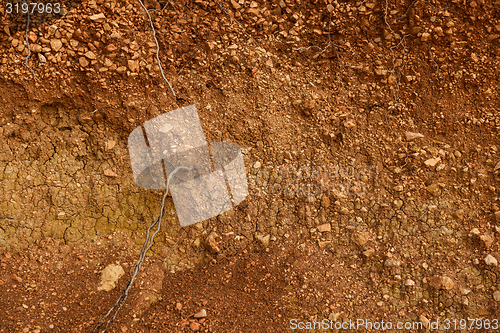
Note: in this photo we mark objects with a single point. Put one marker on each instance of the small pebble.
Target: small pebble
(409, 283)
(410, 136)
(201, 314)
(475, 232)
(490, 260)
(432, 162)
(447, 283)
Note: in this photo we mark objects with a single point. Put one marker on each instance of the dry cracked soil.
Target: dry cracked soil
(369, 132)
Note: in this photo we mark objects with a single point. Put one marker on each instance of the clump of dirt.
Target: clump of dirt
(370, 139)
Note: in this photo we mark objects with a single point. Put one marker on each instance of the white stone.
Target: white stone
(490, 260)
(96, 17)
(475, 232)
(263, 239)
(109, 276)
(201, 314)
(432, 162)
(412, 136)
(440, 167)
(42, 58)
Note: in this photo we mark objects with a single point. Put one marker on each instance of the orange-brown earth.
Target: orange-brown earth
(408, 231)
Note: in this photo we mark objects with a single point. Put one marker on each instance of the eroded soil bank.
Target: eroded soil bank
(370, 140)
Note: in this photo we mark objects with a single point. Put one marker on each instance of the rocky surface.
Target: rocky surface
(370, 137)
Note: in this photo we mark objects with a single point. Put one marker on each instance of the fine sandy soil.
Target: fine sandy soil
(370, 138)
